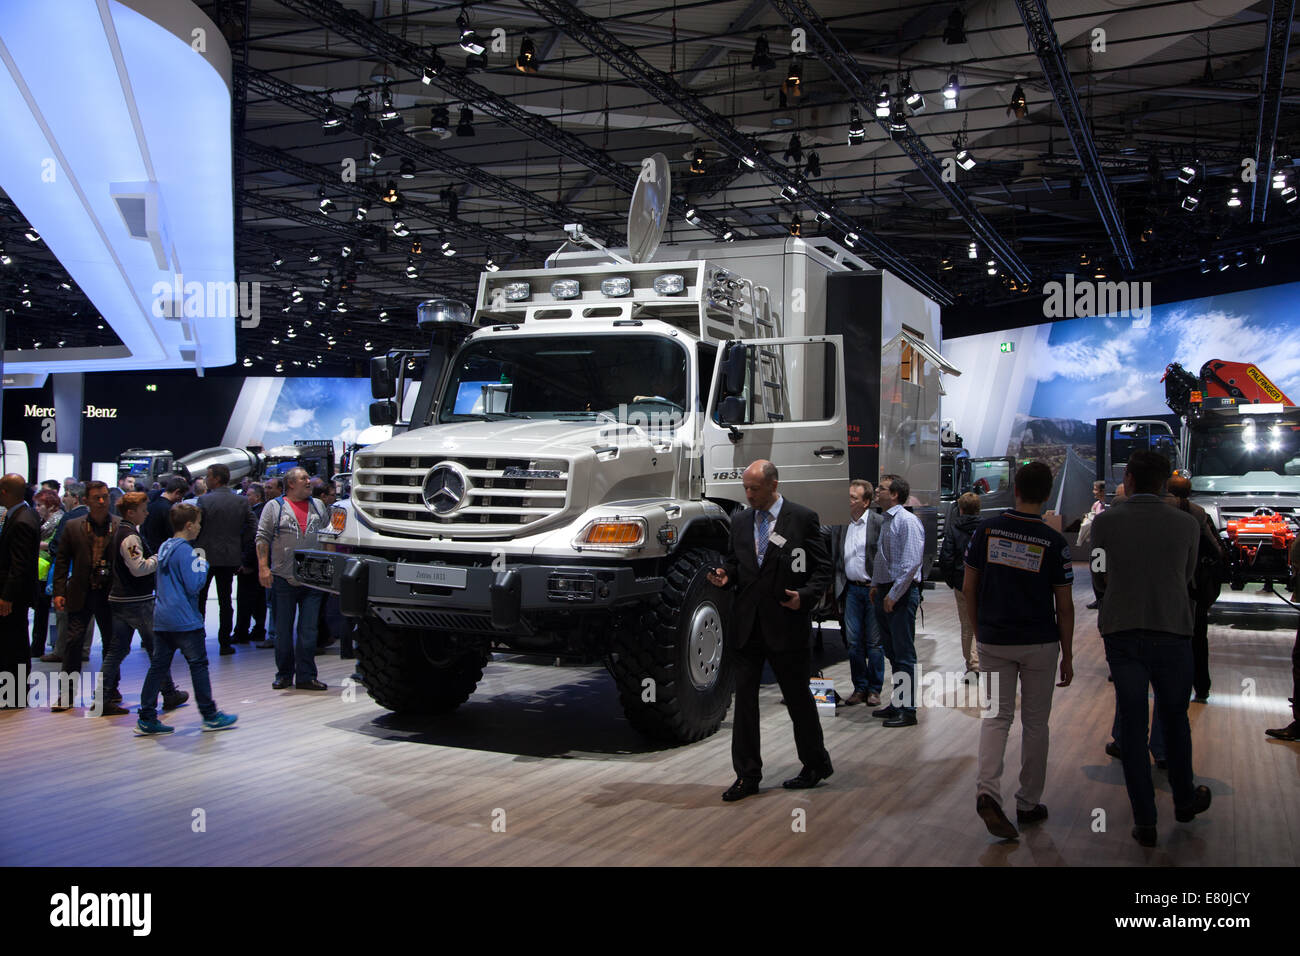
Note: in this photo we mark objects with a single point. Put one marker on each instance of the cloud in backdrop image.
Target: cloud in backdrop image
(1042, 398)
(279, 411)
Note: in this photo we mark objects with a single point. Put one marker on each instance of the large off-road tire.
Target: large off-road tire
(407, 672)
(677, 642)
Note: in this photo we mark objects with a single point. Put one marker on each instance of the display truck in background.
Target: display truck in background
(993, 479)
(567, 467)
(1239, 439)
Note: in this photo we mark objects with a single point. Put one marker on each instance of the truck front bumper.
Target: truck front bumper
(488, 599)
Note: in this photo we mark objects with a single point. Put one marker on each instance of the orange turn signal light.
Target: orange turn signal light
(338, 518)
(615, 533)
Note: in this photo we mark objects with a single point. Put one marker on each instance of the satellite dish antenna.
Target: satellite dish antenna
(648, 214)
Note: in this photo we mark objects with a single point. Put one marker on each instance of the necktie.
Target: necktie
(763, 518)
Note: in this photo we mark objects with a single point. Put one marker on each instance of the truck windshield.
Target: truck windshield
(569, 377)
(1268, 443)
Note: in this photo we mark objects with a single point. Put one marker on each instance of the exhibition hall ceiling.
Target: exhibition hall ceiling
(1123, 164)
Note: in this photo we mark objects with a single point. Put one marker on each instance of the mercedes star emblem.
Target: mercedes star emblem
(446, 488)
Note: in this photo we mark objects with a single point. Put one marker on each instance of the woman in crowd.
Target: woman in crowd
(49, 511)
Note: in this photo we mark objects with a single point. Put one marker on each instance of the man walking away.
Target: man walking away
(1149, 551)
(1018, 581)
(227, 530)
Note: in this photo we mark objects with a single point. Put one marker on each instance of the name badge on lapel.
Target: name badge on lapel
(778, 540)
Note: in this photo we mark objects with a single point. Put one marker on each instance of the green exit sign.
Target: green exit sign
(1007, 347)
(151, 388)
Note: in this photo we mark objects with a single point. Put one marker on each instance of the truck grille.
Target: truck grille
(437, 620)
(390, 491)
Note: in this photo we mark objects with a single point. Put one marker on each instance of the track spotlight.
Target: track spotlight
(814, 167)
(1260, 255)
(793, 152)
(1186, 174)
(411, 271)
(32, 235)
(789, 193)
(387, 111)
(417, 247)
(1289, 194)
(333, 121)
(5, 258)
(991, 267)
(466, 125)
(1234, 197)
(945, 265)
(431, 68)
(439, 119)
(729, 235)
(345, 251)
(401, 229)
(796, 227)
(383, 315)
(823, 216)
(407, 169)
(857, 132)
(951, 91)
(447, 248)
(1018, 105)
(1241, 259)
(883, 107)
(762, 59)
(1191, 201)
(526, 61)
(363, 210)
(376, 155)
(749, 161)
(898, 123)
(390, 194)
(1223, 263)
(914, 100)
(697, 162)
(326, 205)
(964, 158)
(850, 239)
(955, 32)
(313, 255)
(1205, 267)
(692, 215)
(491, 266)
(469, 39)
(793, 85)
(972, 250)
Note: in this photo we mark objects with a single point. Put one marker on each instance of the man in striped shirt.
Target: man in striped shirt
(895, 594)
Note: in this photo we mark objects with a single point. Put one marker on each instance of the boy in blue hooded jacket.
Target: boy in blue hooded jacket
(178, 625)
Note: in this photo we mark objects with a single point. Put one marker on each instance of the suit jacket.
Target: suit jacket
(835, 543)
(760, 590)
(227, 527)
(20, 542)
(75, 549)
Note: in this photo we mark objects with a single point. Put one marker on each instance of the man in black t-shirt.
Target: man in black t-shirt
(1018, 580)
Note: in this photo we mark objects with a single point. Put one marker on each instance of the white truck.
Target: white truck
(568, 474)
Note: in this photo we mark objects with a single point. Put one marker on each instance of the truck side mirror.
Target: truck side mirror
(731, 410)
(734, 367)
(383, 377)
(383, 413)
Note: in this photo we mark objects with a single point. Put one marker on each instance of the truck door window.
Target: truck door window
(786, 383)
(988, 477)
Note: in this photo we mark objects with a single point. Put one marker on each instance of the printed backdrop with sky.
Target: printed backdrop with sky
(1043, 398)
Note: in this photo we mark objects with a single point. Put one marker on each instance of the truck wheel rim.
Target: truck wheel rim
(705, 646)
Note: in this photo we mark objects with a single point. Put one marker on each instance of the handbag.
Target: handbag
(1085, 531)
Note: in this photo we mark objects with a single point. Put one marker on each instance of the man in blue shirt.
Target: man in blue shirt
(895, 594)
(1018, 581)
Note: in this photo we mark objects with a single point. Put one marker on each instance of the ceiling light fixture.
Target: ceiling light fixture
(914, 100)
(814, 167)
(857, 132)
(762, 59)
(697, 162)
(526, 61)
(390, 194)
(951, 92)
(469, 39)
(1018, 105)
(466, 125)
(883, 107)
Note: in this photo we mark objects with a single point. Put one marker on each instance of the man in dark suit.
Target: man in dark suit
(86, 548)
(853, 552)
(20, 542)
(777, 562)
(227, 533)
(157, 526)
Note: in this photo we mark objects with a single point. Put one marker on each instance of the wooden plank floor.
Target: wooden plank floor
(315, 779)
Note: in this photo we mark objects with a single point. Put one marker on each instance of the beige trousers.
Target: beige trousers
(967, 633)
(1033, 666)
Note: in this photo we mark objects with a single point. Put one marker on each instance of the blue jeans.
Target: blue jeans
(898, 630)
(862, 630)
(1139, 659)
(192, 645)
(295, 659)
(129, 617)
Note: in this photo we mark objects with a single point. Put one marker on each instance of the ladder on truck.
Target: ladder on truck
(771, 359)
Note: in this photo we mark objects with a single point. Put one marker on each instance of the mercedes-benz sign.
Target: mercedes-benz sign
(446, 488)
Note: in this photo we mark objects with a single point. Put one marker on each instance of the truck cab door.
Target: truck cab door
(782, 399)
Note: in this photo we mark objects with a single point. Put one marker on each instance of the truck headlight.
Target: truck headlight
(517, 291)
(565, 289)
(612, 534)
(616, 286)
(670, 283)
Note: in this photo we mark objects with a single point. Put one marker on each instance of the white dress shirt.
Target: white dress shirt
(855, 550)
(773, 509)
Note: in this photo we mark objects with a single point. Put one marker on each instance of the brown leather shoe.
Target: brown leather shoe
(857, 697)
(873, 699)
